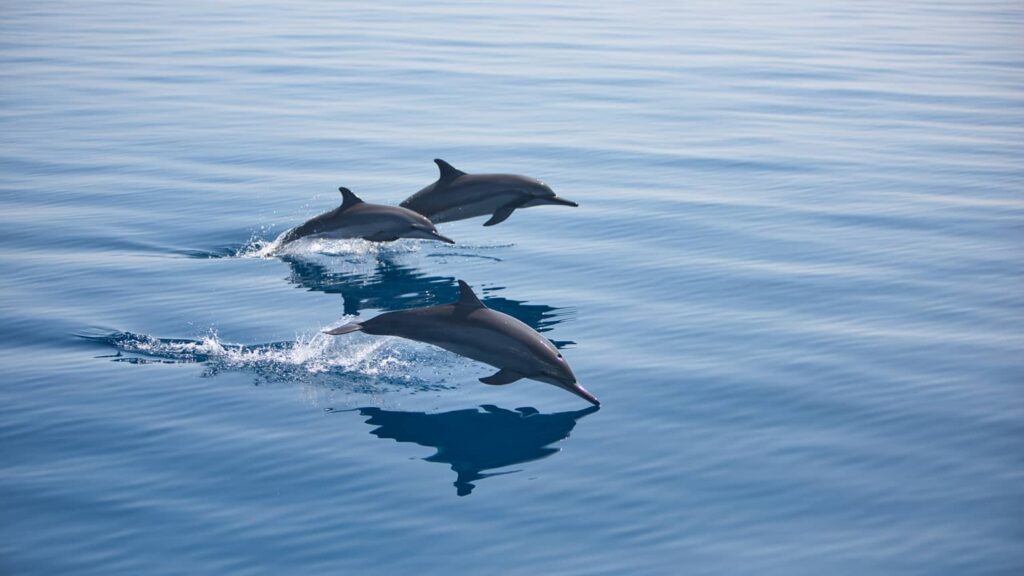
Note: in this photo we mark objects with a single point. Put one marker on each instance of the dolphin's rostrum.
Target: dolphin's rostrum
(374, 222)
(470, 329)
(457, 195)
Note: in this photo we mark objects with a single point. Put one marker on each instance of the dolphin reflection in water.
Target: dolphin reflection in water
(471, 441)
(391, 286)
(471, 329)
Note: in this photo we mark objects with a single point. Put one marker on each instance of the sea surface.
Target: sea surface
(795, 280)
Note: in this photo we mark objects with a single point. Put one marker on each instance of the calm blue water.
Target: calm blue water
(794, 280)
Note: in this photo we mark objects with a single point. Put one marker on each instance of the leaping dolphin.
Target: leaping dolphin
(374, 222)
(470, 329)
(457, 195)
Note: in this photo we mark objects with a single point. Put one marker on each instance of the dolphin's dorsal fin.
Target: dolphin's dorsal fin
(349, 198)
(467, 298)
(448, 172)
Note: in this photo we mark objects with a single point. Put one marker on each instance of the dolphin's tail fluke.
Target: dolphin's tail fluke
(354, 327)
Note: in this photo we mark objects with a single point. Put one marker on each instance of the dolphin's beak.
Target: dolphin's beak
(438, 236)
(424, 233)
(580, 391)
(562, 201)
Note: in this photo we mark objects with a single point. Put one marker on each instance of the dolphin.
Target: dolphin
(470, 329)
(374, 222)
(457, 195)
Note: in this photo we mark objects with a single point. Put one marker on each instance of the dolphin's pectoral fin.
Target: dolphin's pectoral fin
(503, 376)
(502, 213)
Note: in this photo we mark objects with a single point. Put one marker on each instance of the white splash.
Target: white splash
(315, 353)
(259, 247)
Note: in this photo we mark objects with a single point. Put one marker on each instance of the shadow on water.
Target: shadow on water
(393, 286)
(471, 441)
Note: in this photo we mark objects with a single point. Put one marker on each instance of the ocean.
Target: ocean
(794, 280)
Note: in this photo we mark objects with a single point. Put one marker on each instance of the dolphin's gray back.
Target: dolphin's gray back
(467, 196)
(480, 333)
(362, 220)
(315, 225)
